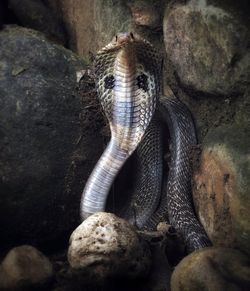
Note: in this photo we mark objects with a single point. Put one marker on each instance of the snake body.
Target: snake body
(127, 73)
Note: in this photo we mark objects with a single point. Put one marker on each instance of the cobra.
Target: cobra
(127, 75)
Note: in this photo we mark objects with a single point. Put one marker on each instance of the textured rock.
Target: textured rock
(45, 137)
(146, 13)
(24, 267)
(221, 185)
(111, 17)
(105, 245)
(207, 45)
(212, 269)
(36, 15)
(92, 24)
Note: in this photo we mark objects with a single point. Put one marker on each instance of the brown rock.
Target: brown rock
(24, 267)
(92, 24)
(221, 186)
(146, 13)
(212, 269)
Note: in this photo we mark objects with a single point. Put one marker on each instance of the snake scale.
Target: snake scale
(128, 74)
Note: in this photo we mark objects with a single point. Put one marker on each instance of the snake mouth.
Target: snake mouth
(122, 39)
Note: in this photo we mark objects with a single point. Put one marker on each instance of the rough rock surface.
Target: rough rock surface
(146, 13)
(45, 137)
(221, 182)
(24, 267)
(92, 24)
(212, 269)
(104, 246)
(207, 45)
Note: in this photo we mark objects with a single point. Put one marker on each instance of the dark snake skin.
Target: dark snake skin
(128, 84)
(178, 193)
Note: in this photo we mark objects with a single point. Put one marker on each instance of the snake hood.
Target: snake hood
(127, 74)
(128, 85)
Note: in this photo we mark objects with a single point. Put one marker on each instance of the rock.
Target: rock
(242, 111)
(25, 267)
(221, 185)
(207, 45)
(111, 17)
(212, 269)
(146, 13)
(36, 15)
(106, 246)
(46, 137)
(92, 24)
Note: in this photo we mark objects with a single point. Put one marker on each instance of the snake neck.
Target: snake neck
(100, 181)
(124, 122)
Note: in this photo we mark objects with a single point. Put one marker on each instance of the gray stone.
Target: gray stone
(105, 245)
(112, 16)
(46, 137)
(207, 45)
(25, 267)
(212, 269)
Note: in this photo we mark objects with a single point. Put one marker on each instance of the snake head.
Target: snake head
(128, 63)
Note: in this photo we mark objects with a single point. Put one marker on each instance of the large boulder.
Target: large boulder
(221, 181)
(207, 45)
(46, 137)
(92, 24)
(212, 269)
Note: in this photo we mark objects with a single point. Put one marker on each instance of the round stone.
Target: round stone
(212, 269)
(105, 245)
(24, 267)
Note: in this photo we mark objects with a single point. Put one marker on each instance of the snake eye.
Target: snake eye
(142, 82)
(109, 82)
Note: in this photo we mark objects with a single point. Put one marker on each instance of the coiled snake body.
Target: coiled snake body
(128, 78)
